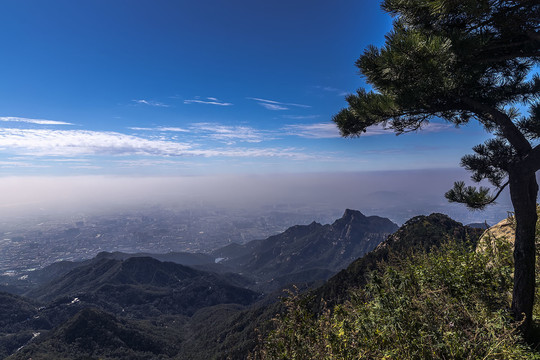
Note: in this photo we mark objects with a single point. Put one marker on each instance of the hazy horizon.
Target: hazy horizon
(399, 193)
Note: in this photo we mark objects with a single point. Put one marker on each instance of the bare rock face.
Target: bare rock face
(504, 230)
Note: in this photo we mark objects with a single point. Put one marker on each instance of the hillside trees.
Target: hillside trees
(464, 60)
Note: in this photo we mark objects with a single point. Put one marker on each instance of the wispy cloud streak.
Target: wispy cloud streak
(230, 134)
(276, 105)
(150, 103)
(313, 131)
(160, 128)
(32, 121)
(300, 117)
(273, 107)
(19, 164)
(330, 130)
(208, 101)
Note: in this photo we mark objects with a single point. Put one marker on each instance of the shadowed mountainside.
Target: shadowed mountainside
(308, 252)
(143, 285)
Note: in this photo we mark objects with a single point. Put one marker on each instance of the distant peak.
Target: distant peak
(349, 217)
(348, 214)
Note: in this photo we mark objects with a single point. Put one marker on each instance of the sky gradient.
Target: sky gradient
(175, 88)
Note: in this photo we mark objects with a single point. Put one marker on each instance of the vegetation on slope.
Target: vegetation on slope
(420, 233)
(450, 303)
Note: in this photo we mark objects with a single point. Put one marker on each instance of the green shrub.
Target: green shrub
(450, 303)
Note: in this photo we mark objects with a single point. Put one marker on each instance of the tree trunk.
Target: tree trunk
(524, 191)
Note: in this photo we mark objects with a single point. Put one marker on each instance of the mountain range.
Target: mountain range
(307, 253)
(138, 307)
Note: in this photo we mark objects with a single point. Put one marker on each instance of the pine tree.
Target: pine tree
(462, 61)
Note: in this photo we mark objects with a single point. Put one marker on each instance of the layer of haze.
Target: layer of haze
(398, 195)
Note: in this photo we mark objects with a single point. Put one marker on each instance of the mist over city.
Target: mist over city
(396, 194)
(50, 219)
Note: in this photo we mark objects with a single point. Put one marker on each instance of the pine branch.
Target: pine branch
(473, 198)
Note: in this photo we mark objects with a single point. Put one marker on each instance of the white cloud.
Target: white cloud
(330, 130)
(146, 162)
(172, 129)
(67, 160)
(150, 103)
(161, 128)
(276, 105)
(313, 131)
(87, 167)
(208, 101)
(32, 121)
(291, 153)
(230, 134)
(273, 106)
(300, 117)
(84, 142)
(19, 164)
(31, 142)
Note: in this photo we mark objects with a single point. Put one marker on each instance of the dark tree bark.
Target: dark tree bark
(524, 191)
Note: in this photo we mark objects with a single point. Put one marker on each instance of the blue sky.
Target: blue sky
(140, 87)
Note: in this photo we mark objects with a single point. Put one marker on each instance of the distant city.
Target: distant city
(37, 242)
(34, 242)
